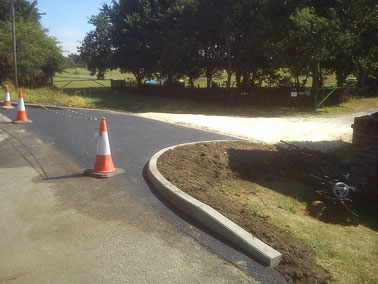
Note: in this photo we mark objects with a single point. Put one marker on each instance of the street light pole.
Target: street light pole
(15, 76)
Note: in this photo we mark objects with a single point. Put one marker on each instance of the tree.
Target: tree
(253, 39)
(132, 36)
(251, 49)
(308, 42)
(208, 38)
(96, 49)
(74, 61)
(24, 10)
(363, 24)
(39, 56)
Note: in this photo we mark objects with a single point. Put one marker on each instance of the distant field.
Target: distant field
(113, 74)
(82, 73)
(79, 82)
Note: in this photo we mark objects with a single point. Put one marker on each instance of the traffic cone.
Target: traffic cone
(7, 102)
(21, 112)
(104, 166)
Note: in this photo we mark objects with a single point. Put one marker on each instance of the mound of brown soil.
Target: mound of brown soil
(197, 169)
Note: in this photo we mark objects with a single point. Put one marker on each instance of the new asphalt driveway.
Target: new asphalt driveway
(133, 141)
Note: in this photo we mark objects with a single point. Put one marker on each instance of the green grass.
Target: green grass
(88, 93)
(354, 104)
(99, 97)
(82, 72)
(84, 95)
(348, 252)
(117, 75)
(330, 80)
(65, 82)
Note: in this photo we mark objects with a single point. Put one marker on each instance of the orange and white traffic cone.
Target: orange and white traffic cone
(7, 102)
(22, 117)
(104, 166)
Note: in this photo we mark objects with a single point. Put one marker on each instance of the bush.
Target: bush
(38, 55)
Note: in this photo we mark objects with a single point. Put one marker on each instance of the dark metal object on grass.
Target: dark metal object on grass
(333, 201)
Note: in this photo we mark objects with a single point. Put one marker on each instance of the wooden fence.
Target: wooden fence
(263, 97)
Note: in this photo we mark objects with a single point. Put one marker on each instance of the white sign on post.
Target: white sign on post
(294, 94)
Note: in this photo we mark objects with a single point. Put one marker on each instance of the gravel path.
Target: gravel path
(271, 130)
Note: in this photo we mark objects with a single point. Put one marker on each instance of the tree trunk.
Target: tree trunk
(170, 79)
(227, 40)
(361, 77)
(315, 81)
(191, 82)
(245, 79)
(321, 78)
(374, 84)
(238, 79)
(138, 77)
(229, 75)
(209, 77)
(340, 78)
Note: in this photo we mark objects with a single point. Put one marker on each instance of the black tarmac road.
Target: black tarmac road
(133, 141)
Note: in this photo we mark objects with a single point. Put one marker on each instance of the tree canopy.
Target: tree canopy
(257, 41)
(38, 54)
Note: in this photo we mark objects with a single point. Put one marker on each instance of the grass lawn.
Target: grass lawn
(89, 93)
(349, 252)
(81, 82)
(117, 75)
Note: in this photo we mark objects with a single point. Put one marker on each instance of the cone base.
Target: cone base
(92, 173)
(7, 107)
(21, 121)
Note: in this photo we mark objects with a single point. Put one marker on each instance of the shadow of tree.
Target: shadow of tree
(286, 171)
(107, 97)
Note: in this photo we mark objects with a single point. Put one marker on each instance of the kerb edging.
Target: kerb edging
(210, 217)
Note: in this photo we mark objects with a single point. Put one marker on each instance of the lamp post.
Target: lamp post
(15, 76)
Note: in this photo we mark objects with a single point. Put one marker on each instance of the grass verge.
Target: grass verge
(89, 94)
(244, 181)
(348, 252)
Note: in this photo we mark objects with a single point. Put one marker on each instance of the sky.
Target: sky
(67, 20)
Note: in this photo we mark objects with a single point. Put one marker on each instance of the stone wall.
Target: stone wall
(364, 170)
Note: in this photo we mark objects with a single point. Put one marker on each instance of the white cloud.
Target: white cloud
(69, 38)
(69, 47)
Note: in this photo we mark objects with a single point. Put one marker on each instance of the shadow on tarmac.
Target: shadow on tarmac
(65, 177)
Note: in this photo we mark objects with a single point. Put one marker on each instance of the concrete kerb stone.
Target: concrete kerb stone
(210, 217)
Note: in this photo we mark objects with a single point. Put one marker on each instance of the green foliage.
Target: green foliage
(74, 61)
(38, 55)
(96, 49)
(24, 10)
(251, 40)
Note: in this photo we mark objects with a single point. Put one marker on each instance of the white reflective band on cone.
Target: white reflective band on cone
(103, 147)
(21, 106)
(7, 97)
